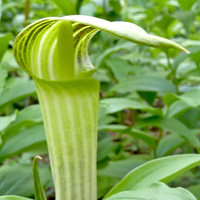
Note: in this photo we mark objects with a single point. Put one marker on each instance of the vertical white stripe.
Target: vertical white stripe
(51, 61)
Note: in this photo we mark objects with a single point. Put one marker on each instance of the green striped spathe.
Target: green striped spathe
(70, 117)
(53, 51)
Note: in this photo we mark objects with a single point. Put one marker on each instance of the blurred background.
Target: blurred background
(150, 98)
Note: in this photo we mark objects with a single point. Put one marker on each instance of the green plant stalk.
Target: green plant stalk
(70, 120)
(173, 71)
(27, 11)
(39, 191)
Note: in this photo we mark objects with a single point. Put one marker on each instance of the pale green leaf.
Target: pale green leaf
(185, 4)
(156, 191)
(29, 115)
(105, 148)
(177, 108)
(187, 18)
(170, 98)
(156, 170)
(11, 197)
(168, 144)
(69, 7)
(7, 120)
(4, 41)
(16, 142)
(119, 168)
(4, 74)
(26, 124)
(120, 73)
(191, 97)
(145, 137)
(101, 58)
(135, 133)
(194, 189)
(173, 126)
(105, 120)
(17, 92)
(181, 103)
(145, 83)
(108, 176)
(17, 179)
(118, 104)
(112, 127)
(191, 118)
(9, 63)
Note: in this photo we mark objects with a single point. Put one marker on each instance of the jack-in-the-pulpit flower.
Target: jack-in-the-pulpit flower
(53, 51)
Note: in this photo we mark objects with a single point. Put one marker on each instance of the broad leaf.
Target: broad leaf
(110, 175)
(168, 144)
(145, 83)
(173, 126)
(119, 168)
(145, 137)
(7, 120)
(156, 191)
(28, 130)
(191, 118)
(120, 73)
(165, 22)
(194, 189)
(109, 51)
(4, 40)
(17, 179)
(135, 133)
(181, 103)
(19, 91)
(105, 148)
(177, 108)
(22, 141)
(29, 115)
(156, 170)
(113, 127)
(118, 104)
(187, 18)
(191, 97)
(185, 4)
(69, 7)
(4, 74)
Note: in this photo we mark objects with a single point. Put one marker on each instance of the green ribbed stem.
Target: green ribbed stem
(70, 111)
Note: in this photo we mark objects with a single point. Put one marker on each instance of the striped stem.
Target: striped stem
(70, 111)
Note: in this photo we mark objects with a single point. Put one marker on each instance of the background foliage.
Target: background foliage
(150, 98)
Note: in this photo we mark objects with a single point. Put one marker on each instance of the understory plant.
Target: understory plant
(53, 51)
